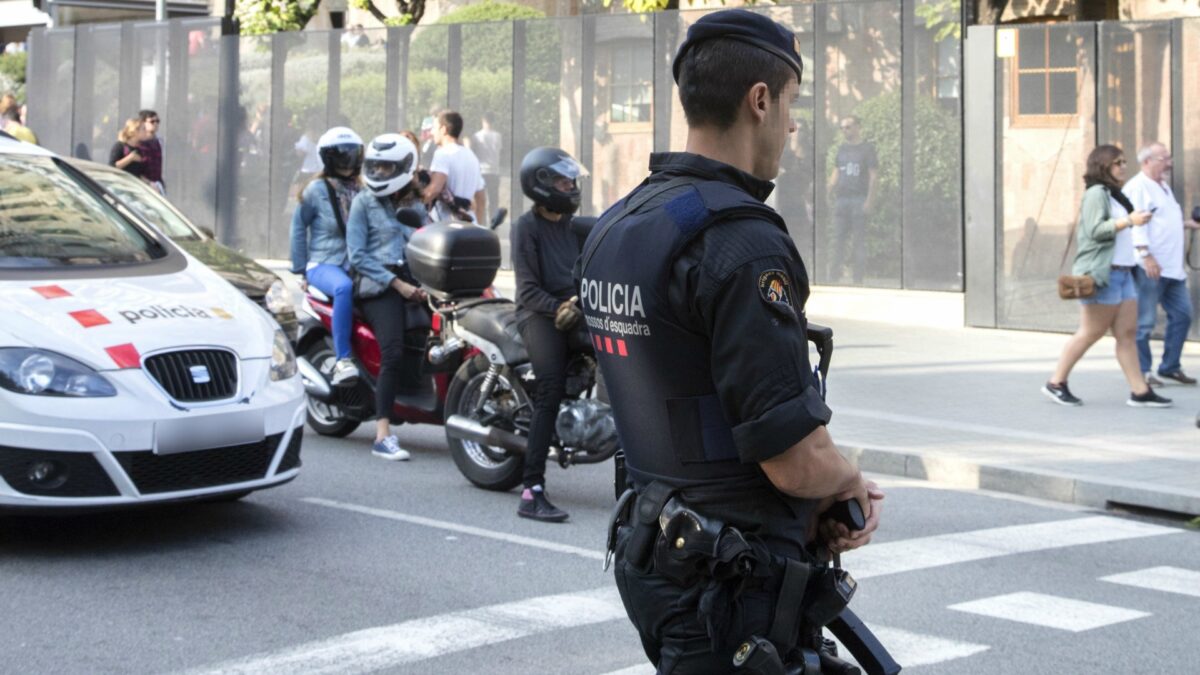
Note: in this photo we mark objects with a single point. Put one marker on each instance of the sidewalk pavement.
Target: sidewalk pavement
(915, 394)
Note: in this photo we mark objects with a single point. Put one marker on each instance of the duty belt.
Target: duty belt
(720, 561)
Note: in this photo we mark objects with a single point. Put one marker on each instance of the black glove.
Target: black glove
(567, 315)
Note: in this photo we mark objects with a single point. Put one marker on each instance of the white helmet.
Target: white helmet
(341, 150)
(390, 164)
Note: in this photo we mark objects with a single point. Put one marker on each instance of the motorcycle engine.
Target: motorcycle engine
(587, 424)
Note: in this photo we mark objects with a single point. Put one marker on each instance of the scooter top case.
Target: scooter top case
(454, 259)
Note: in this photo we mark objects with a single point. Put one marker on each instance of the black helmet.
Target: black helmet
(541, 169)
(340, 149)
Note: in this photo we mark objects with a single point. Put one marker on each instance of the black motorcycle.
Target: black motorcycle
(489, 403)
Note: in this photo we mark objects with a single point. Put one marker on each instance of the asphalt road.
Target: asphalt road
(361, 565)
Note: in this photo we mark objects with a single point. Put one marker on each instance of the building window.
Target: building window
(1046, 76)
(947, 69)
(632, 91)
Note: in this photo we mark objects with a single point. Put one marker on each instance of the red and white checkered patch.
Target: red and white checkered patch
(125, 356)
(51, 292)
(89, 318)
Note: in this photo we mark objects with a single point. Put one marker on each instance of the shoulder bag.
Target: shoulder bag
(1074, 286)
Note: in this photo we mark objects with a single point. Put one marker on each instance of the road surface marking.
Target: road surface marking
(374, 649)
(879, 559)
(456, 527)
(1167, 579)
(1050, 611)
(909, 649)
(896, 557)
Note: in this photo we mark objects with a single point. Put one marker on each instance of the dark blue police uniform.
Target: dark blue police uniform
(696, 302)
(694, 295)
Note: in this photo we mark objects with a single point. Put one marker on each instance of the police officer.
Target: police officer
(697, 294)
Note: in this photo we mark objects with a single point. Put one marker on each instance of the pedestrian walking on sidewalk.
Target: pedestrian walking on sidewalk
(1104, 251)
(1160, 275)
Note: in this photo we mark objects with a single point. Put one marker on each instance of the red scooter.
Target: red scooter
(338, 411)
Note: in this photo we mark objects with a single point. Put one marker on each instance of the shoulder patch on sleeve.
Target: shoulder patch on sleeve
(687, 211)
(774, 287)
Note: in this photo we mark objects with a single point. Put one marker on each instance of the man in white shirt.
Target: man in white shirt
(455, 168)
(1161, 277)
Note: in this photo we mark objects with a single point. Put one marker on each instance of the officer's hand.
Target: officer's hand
(567, 315)
(840, 538)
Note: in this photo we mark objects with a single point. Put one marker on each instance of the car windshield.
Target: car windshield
(146, 202)
(49, 219)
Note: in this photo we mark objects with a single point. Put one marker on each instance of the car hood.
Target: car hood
(102, 321)
(248, 276)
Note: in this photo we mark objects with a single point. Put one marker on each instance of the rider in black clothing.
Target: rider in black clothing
(544, 250)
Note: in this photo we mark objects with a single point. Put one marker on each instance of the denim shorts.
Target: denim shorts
(1119, 289)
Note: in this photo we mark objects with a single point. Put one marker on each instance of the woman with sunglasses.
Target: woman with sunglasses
(1104, 251)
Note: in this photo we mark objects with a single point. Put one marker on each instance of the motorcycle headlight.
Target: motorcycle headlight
(41, 373)
(277, 299)
(283, 359)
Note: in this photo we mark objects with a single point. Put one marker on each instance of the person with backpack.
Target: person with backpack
(318, 237)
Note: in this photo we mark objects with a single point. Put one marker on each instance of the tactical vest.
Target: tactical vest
(669, 418)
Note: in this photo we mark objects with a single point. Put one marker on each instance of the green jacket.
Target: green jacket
(1095, 238)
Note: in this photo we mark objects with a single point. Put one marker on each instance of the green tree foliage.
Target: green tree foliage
(942, 16)
(260, 17)
(408, 12)
(12, 74)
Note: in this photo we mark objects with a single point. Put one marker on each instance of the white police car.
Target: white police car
(129, 372)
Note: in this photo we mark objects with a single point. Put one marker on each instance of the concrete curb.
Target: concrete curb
(1084, 491)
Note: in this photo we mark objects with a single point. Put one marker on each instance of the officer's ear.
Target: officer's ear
(758, 102)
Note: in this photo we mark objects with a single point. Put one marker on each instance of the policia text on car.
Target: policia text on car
(720, 416)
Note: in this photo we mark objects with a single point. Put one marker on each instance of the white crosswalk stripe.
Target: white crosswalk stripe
(373, 649)
(915, 649)
(427, 638)
(925, 553)
(1167, 579)
(1050, 611)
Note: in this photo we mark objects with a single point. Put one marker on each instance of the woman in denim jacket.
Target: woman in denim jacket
(1105, 253)
(382, 219)
(318, 237)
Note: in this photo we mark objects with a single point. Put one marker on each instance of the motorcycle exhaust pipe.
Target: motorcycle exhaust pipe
(467, 429)
(315, 384)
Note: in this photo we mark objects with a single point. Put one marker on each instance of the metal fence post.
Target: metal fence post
(983, 190)
(333, 100)
(454, 67)
(908, 120)
(666, 34)
(517, 138)
(587, 102)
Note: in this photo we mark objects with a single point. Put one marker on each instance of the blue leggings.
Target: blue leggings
(334, 282)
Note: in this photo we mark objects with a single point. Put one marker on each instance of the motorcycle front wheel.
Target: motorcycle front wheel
(488, 467)
(326, 419)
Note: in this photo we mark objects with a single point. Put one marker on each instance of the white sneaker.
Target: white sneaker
(389, 449)
(344, 373)
(1152, 381)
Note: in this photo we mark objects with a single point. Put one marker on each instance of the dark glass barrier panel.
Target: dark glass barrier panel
(857, 128)
(1042, 158)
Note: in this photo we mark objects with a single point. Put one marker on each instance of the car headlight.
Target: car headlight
(41, 373)
(283, 359)
(277, 299)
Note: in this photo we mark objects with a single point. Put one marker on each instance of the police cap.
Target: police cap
(744, 26)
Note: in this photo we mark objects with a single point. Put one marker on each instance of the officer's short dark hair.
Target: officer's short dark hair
(452, 121)
(716, 74)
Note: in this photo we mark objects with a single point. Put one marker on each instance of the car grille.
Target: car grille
(153, 473)
(82, 474)
(291, 456)
(174, 372)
